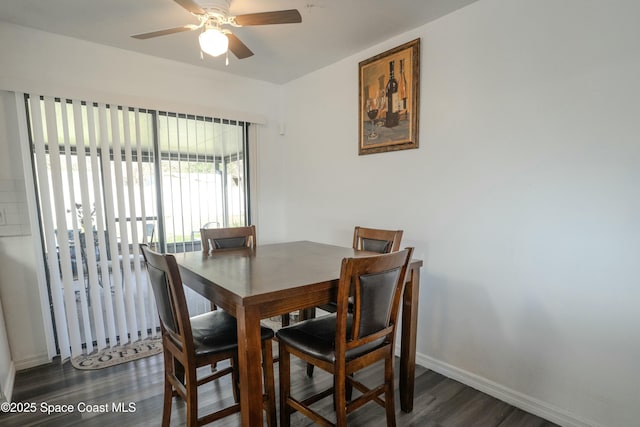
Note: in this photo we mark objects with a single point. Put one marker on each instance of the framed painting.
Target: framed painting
(389, 88)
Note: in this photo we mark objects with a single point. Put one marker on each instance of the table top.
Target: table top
(268, 271)
(267, 268)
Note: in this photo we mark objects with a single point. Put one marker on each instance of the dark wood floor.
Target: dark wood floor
(439, 401)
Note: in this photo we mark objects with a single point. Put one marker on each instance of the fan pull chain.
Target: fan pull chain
(227, 59)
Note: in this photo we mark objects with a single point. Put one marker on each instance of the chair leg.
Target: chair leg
(166, 403)
(214, 366)
(349, 390)
(192, 399)
(340, 399)
(235, 379)
(269, 383)
(308, 313)
(389, 399)
(285, 385)
(286, 320)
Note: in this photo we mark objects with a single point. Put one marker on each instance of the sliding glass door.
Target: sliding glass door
(111, 177)
(202, 176)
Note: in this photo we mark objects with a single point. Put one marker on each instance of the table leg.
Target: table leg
(249, 356)
(408, 339)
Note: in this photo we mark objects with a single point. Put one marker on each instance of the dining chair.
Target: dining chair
(376, 240)
(220, 239)
(347, 341)
(195, 234)
(371, 240)
(189, 343)
(217, 239)
(364, 239)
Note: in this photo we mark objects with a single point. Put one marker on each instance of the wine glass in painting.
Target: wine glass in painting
(372, 113)
(382, 105)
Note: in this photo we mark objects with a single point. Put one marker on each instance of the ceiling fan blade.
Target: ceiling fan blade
(191, 6)
(290, 16)
(238, 48)
(168, 31)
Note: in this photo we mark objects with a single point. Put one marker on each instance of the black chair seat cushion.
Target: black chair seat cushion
(216, 332)
(316, 337)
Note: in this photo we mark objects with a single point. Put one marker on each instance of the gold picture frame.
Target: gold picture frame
(389, 81)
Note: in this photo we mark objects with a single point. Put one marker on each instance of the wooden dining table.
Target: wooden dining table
(275, 279)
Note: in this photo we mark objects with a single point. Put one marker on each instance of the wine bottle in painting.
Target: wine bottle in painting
(391, 119)
(403, 88)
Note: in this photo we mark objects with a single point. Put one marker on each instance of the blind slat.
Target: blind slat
(87, 224)
(49, 230)
(84, 315)
(61, 225)
(105, 282)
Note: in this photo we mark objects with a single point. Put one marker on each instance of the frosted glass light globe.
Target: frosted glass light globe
(213, 42)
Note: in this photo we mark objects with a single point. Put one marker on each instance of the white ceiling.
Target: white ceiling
(330, 29)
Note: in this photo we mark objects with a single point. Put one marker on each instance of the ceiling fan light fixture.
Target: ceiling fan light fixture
(213, 42)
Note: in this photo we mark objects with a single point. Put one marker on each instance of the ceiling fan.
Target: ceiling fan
(213, 14)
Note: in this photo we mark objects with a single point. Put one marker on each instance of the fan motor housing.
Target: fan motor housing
(215, 7)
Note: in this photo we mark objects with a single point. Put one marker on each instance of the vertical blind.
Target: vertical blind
(203, 172)
(109, 178)
(90, 178)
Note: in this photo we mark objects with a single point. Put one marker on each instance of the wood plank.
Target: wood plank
(439, 401)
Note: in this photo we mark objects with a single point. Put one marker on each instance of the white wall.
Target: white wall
(61, 66)
(19, 290)
(7, 367)
(522, 198)
(9, 275)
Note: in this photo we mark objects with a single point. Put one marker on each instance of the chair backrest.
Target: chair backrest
(168, 291)
(375, 285)
(214, 239)
(375, 240)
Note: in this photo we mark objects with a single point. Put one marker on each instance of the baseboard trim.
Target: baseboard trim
(512, 397)
(7, 390)
(32, 362)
